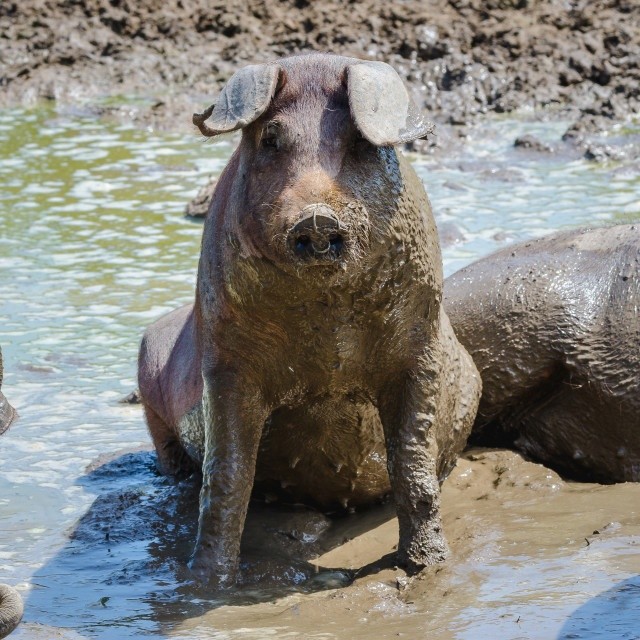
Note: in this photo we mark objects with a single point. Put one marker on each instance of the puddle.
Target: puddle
(93, 247)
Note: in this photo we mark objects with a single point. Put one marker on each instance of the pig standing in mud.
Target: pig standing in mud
(317, 354)
(553, 327)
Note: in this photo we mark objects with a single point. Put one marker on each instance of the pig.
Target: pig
(317, 358)
(11, 609)
(552, 325)
(7, 412)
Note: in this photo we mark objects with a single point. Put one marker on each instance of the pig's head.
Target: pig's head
(312, 179)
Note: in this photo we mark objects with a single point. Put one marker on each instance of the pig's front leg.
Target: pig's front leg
(234, 415)
(409, 410)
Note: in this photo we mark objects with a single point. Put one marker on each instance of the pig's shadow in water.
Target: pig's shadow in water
(124, 565)
(613, 614)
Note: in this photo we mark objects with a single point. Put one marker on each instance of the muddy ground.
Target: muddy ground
(462, 58)
(533, 557)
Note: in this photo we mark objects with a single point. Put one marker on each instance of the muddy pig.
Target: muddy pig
(7, 412)
(553, 327)
(317, 354)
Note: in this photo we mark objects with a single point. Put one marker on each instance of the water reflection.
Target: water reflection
(613, 614)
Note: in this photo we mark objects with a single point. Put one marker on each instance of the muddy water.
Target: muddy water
(93, 246)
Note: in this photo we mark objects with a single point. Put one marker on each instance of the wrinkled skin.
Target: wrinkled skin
(11, 609)
(312, 365)
(553, 328)
(7, 412)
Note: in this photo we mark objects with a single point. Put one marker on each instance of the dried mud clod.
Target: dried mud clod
(198, 207)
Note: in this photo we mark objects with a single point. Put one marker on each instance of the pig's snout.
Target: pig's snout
(318, 233)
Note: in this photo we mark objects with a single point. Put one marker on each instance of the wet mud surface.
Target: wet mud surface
(532, 557)
(461, 58)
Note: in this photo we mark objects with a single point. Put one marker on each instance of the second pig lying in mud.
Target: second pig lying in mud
(553, 325)
(317, 354)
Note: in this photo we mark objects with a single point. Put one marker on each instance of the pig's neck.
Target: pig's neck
(317, 335)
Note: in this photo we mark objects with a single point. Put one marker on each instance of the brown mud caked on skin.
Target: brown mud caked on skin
(7, 412)
(554, 330)
(11, 609)
(317, 354)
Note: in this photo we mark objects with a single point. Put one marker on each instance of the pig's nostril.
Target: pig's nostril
(308, 245)
(336, 242)
(318, 235)
(302, 243)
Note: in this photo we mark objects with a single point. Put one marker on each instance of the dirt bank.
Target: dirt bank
(461, 57)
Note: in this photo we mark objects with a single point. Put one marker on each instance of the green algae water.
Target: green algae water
(93, 248)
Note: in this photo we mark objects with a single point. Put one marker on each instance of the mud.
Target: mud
(199, 205)
(513, 527)
(462, 58)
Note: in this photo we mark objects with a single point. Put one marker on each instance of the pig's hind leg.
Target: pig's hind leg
(173, 460)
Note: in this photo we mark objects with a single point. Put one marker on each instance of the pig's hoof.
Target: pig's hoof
(212, 574)
(424, 553)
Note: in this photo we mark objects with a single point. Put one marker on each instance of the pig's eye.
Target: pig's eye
(270, 137)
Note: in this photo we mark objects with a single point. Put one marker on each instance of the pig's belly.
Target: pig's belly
(329, 451)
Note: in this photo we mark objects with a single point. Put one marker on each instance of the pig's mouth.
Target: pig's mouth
(319, 236)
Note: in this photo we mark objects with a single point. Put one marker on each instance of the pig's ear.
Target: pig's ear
(243, 99)
(381, 107)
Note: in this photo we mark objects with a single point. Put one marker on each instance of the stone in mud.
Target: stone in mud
(317, 346)
(131, 398)
(198, 207)
(531, 143)
(450, 234)
(602, 139)
(553, 327)
(604, 152)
